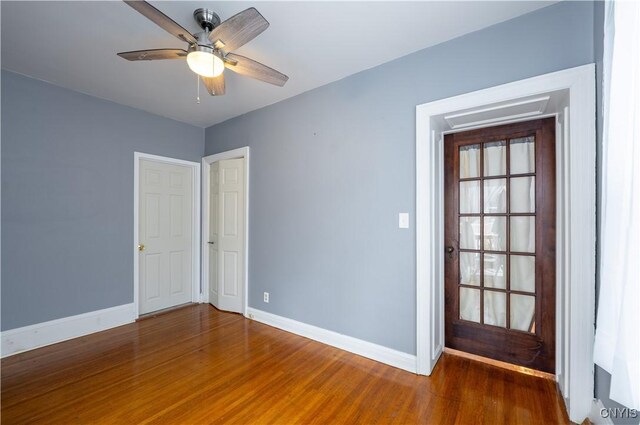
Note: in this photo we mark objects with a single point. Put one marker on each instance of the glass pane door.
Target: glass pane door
(499, 233)
(497, 225)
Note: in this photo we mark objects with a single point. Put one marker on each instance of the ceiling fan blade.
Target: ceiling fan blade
(162, 20)
(153, 54)
(215, 85)
(250, 68)
(238, 30)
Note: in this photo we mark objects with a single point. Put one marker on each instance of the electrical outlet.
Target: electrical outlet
(266, 297)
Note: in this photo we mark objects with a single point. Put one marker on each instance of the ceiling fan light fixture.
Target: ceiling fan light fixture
(207, 55)
(203, 61)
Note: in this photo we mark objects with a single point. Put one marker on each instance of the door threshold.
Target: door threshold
(164, 311)
(501, 364)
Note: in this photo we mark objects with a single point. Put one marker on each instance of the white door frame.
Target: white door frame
(196, 295)
(206, 165)
(576, 221)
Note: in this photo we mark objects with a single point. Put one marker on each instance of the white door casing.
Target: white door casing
(166, 223)
(570, 96)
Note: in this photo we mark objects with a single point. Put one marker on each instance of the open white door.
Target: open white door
(214, 203)
(165, 235)
(227, 235)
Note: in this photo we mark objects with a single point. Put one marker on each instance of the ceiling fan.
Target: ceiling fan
(210, 51)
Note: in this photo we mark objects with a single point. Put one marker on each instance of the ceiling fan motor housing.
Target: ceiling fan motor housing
(207, 19)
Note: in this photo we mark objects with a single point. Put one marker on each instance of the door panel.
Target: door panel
(165, 230)
(176, 219)
(230, 278)
(176, 272)
(150, 269)
(230, 213)
(500, 238)
(152, 216)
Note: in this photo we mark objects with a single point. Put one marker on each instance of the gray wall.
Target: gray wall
(332, 168)
(603, 384)
(67, 197)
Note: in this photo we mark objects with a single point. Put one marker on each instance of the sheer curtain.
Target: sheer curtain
(617, 345)
(470, 234)
(495, 164)
(523, 232)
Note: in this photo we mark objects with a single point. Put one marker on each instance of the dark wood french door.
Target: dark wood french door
(500, 225)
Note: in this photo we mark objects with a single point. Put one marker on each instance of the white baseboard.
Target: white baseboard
(17, 340)
(354, 345)
(596, 417)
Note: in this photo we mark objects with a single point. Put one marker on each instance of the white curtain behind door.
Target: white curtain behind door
(617, 345)
(522, 310)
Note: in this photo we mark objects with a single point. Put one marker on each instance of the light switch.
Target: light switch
(403, 220)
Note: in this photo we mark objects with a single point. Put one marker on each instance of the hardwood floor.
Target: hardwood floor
(198, 365)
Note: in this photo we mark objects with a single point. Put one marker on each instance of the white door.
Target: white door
(214, 203)
(226, 271)
(165, 235)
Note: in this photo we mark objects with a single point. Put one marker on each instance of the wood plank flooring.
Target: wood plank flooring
(198, 365)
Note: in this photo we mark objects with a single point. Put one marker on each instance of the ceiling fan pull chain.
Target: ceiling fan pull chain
(198, 89)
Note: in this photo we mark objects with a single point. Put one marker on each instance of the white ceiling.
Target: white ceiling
(74, 44)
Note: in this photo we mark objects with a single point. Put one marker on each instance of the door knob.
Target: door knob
(211, 243)
(140, 247)
(450, 251)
